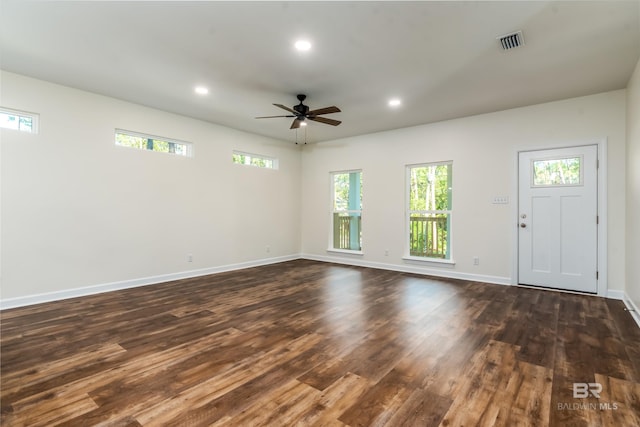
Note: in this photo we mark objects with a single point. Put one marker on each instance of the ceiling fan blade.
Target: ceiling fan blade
(295, 124)
(326, 110)
(272, 117)
(284, 107)
(325, 120)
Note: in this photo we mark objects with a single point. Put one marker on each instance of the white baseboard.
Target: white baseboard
(411, 268)
(134, 283)
(615, 294)
(633, 308)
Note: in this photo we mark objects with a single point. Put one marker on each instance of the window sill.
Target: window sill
(345, 251)
(436, 261)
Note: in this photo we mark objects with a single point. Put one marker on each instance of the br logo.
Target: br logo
(582, 390)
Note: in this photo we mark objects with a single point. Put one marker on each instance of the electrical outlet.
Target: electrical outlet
(268, 249)
(189, 257)
(476, 260)
(386, 252)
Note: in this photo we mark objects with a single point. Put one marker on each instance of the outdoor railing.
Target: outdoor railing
(343, 227)
(428, 236)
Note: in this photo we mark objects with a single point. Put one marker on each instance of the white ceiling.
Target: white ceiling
(441, 58)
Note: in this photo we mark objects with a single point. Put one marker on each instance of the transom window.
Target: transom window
(429, 211)
(346, 218)
(256, 160)
(125, 138)
(18, 120)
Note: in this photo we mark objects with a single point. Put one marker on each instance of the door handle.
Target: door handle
(523, 225)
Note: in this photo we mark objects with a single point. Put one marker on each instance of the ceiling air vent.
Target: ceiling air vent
(512, 40)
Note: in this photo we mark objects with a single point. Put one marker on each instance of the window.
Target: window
(557, 172)
(346, 215)
(18, 120)
(141, 141)
(429, 211)
(254, 160)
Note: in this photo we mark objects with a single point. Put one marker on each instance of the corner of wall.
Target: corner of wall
(632, 244)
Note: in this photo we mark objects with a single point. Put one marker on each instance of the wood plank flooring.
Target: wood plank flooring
(317, 344)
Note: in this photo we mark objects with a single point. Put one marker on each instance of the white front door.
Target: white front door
(558, 218)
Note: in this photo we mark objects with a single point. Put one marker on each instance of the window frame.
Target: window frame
(333, 211)
(188, 145)
(408, 212)
(275, 163)
(35, 119)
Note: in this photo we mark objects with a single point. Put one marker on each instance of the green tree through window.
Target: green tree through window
(429, 221)
(254, 160)
(151, 143)
(347, 210)
(557, 171)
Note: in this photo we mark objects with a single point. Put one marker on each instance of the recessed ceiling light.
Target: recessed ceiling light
(303, 45)
(395, 102)
(201, 90)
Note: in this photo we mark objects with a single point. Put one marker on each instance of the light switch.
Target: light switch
(501, 200)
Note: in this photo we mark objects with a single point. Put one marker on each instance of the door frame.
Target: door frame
(601, 143)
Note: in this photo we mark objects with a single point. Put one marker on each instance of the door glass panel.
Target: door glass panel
(557, 172)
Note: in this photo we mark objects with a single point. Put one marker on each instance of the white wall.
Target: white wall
(78, 211)
(483, 150)
(633, 187)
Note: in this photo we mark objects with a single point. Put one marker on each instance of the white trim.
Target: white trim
(632, 308)
(615, 294)
(601, 143)
(603, 245)
(426, 260)
(497, 280)
(134, 283)
(345, 251)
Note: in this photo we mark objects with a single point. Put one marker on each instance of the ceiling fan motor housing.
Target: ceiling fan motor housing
(301, 108)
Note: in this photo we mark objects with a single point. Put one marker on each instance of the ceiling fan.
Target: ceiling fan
(301, 113)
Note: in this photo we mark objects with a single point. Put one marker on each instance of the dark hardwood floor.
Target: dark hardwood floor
(316, 344)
